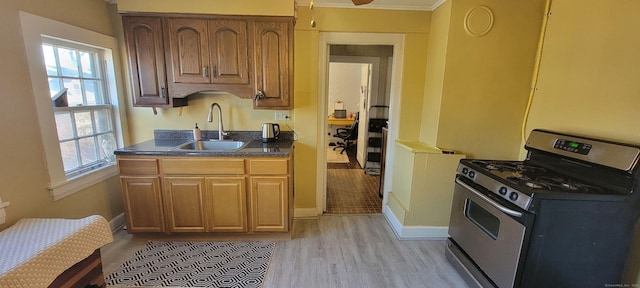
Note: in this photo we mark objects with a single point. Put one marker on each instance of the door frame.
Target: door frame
(345, 38)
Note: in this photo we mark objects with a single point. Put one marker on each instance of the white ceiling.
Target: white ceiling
(426, 5)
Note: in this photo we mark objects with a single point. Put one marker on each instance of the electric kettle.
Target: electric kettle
(270, 132)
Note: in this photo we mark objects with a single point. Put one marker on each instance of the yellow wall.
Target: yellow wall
(434, 80)
(235, 7)
(365, 20)
(306, 112)
(23, 173)
(413, 24)
(475, 91)
(237, 115)
(590, 70)
(485, 80)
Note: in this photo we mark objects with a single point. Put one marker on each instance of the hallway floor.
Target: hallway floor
(350, 190)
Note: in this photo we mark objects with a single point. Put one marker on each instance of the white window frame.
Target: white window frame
(33, 28)
(103, 99)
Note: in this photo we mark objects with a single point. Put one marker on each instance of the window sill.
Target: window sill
(81, 182)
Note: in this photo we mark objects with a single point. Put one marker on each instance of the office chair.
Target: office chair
(348, 135)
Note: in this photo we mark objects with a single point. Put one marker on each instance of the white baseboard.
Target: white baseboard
(309, 213)
(117, 222)
(414, 232)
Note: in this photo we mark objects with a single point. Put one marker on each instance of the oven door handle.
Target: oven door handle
(489, 200)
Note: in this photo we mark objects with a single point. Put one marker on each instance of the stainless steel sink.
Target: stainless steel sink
(213, 146)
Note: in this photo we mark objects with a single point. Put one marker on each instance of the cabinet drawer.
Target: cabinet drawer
(269, 166)
(132, 166)
(219, 166)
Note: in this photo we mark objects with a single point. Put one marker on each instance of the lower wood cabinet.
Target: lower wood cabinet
(184, 204)
(226, 202)
(142, 204)
(142, 194)
(269, 203)
(206, 194)
(271, 198)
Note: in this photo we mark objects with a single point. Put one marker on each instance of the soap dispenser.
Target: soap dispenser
(197, 135)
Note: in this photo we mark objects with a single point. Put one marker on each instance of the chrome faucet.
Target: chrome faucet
(221, 132)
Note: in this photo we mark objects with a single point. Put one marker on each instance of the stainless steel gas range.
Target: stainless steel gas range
(564, 217)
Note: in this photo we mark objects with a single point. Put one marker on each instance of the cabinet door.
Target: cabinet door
(229, 51)
(226, 202)
(272, 59)
(270, 204)
(142, 204)
(189, 50)
(143, 37)
(184, 204)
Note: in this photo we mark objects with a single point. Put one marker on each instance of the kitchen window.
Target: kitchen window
(82, 109)
(77, 98)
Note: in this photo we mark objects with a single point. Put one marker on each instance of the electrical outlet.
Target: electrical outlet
(282, 115)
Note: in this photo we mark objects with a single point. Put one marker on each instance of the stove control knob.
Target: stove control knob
(513, 196)
(465, 171)
(502, 190)
(472, 174)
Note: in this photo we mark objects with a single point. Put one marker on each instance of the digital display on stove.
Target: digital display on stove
(572, 146)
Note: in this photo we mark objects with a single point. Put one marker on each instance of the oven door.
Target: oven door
(488, 232)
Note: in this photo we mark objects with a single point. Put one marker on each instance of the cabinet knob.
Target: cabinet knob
(205, 72)
(214, 72)
(163, 94)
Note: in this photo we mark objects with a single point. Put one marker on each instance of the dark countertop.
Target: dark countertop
(167, 146)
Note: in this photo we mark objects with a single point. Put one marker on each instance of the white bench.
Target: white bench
(37, 252)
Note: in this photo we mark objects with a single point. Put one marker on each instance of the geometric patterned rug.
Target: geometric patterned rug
(195, 264)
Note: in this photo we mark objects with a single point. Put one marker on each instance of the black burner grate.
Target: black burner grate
(536, 177)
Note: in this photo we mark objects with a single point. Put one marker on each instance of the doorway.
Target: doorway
(351, 80)
(388, 95)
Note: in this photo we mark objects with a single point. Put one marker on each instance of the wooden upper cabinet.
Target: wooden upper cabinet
(143, 37)
(228, 46)
(189, 51)
(172, 57)
(208, 54)
(273, 60)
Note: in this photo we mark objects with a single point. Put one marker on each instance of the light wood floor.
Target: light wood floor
(338, 251)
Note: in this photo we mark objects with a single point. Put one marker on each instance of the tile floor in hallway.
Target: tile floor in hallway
(350, 190)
